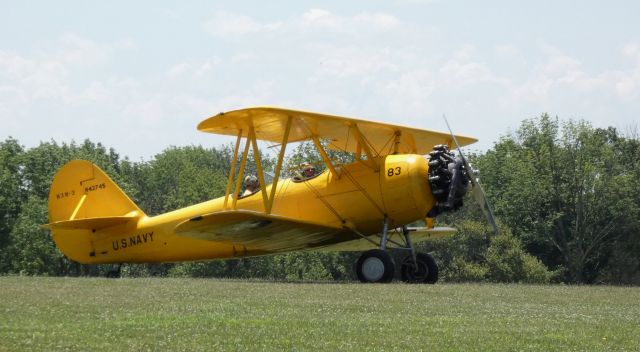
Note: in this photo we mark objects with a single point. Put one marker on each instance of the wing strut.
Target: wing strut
(325, 157)
(232, 173)
(252, 141)
(258, 161)
(243, 164)
(276, 177)
(362, 144)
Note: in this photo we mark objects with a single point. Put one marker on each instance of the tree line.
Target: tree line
(566, 194)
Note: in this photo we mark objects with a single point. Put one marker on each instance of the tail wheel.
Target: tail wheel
(375, 265)
(426, 272)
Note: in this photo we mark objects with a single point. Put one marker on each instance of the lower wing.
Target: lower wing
(418, 234)
(262, 232)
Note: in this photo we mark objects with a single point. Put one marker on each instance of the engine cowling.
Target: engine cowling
(449, 180)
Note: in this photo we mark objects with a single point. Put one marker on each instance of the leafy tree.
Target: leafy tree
(307, 152)
(179, 177)
(470, 255)
(11, 195)
(564, 190)
(31, 250)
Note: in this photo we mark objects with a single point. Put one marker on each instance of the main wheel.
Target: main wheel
(113, 274)
(427, 271)
(375, 265)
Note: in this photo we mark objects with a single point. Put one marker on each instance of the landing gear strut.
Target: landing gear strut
(376, 265)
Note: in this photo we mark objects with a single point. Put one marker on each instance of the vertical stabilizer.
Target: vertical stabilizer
(84, 199)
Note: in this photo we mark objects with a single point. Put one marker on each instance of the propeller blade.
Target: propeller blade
(476, 189)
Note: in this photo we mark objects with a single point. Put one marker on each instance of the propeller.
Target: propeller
(476, 189)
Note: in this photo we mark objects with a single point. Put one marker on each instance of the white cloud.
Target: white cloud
(370, 64)
(561, 84)
(632, 50)
(56, 75)
(410, 94)
(225, 23)
(508, 52)
(179, 69)
(194, 69)
(317, 16)
(76, 50)
(627, 86)
(325, 20)
(463, 70)
(351, 61)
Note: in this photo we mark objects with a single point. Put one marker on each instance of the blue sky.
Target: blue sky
(138, 76)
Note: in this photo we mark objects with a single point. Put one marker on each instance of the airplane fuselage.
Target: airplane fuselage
(359, 198)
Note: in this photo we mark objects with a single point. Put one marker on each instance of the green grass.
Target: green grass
(198, 314)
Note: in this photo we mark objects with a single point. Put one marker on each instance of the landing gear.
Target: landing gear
(423, 270)
(375, 265)
(114, 274)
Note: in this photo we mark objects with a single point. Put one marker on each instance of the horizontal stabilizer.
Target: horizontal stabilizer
(89, 223)
(259, 231)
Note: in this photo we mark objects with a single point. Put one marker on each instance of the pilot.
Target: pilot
(251, 185)
(307, 171)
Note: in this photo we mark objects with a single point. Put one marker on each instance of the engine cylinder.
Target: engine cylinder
(448, 178)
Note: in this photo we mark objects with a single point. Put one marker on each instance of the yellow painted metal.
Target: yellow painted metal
(243, 164)
(396, 142)
(90, 223)
(75, 212)
(334, 203)
(281, 234)
(364, 192)
(276, 176)
(429, 222)
(258, 161)
(325, 157)
(270, 123)
(107, 227)
(232, 172)
(364, 146)
(81, 179)
(417, 236)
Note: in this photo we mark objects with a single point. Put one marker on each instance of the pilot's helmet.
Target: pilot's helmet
(251, 181)
(307, 168)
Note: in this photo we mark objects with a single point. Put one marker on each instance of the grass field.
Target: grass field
(198, 314)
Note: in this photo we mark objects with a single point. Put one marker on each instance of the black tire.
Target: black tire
(427, 272)
(113, 274)
(375, 266)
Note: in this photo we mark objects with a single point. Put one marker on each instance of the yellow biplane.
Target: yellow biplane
(400, 175)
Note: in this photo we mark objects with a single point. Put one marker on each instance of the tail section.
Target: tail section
(81, 190)
(83, 200)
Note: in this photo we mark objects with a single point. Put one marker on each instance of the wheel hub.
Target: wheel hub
(373, 269)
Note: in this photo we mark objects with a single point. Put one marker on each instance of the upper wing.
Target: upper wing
(417, 235)
(261, 232)
(269, 124)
